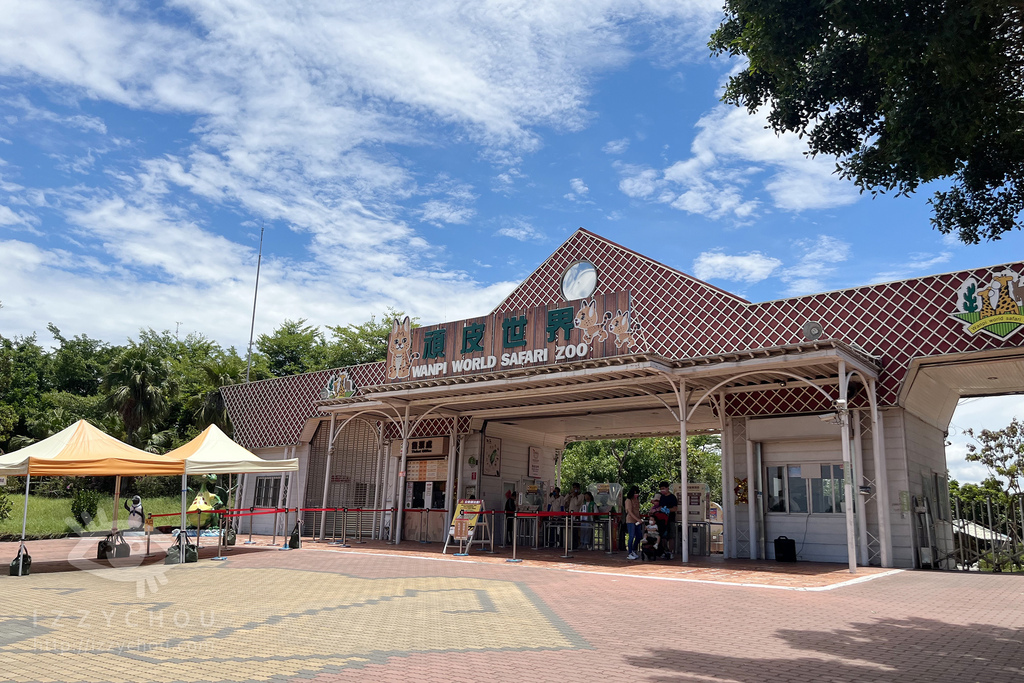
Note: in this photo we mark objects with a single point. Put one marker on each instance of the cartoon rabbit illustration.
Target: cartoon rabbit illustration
(588, 322)
(401, 357)
(619, 326)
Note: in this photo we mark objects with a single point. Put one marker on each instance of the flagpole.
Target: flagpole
(252, 326)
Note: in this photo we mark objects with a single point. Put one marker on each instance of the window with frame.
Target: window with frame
(815, 488)
(268, 492)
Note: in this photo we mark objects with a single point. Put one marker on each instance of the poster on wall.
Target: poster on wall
(534, 471)
(492, 456)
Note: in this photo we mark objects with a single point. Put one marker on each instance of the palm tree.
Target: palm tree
(138, 385)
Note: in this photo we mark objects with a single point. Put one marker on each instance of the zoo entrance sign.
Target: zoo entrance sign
(555, 333)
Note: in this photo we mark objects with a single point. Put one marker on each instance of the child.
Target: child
(654, 544)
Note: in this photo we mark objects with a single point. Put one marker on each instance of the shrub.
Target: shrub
(156, 487)
(5, 507)
(84, 506)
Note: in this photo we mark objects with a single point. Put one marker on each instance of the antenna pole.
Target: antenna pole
(252, 325)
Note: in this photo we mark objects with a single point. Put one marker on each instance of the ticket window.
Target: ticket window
(428, 494)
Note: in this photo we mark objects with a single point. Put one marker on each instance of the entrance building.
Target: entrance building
(832, 407)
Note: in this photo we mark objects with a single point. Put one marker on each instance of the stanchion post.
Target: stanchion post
(491, 528)
(220, 537)
(334, 527)
(252, 513)
(568, 535)
(515, 534)
(359, 528)
(608, 536)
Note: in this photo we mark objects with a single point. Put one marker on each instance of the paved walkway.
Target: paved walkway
(344, 616)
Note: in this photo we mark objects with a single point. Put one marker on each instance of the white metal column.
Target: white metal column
(397, 524)
(684, 540)
(858, 472)
(844, 414)
(725, 472)
(751, 497)
(378, 482)
(729, 497)
(881, 478)
(327, 477)
(449, 494)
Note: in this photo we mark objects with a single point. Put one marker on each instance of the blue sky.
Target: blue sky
(425, 156)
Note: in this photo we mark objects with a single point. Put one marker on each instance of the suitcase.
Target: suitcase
(785, 549)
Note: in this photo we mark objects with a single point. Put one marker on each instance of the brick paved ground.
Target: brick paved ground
(345, 616)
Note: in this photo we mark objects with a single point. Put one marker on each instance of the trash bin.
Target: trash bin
(785, 549)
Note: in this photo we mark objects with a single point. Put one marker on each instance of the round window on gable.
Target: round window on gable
(579, 281)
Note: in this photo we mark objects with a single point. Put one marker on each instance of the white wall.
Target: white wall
(515, 445)
(926, 457)
(818, 537)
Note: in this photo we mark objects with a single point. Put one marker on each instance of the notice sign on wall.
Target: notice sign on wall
(598, 327)
(426, 470)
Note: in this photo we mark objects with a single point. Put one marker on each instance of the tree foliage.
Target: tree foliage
(157, 391)
(644, 463)
(901, 93)
(1002, 452)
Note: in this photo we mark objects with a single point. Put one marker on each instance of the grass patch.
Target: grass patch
(50, 517)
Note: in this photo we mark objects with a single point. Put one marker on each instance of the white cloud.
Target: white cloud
(977, 413)
(616, 146)
(437, 212)
(817, 262)
(731, 150)
(639, 182)
(915, 263)
(520, 229)
(748, 268)
(295, 115)
(579, 191)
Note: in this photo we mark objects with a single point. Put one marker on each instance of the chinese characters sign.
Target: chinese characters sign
(556, 333)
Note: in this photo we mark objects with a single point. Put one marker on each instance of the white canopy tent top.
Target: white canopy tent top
(213, 452)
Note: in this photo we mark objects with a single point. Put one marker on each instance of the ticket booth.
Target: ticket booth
(426, 474)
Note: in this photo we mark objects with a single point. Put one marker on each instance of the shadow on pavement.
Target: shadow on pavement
(903, 650)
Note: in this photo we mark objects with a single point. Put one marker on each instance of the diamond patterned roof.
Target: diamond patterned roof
(272, 412)
(678, 316)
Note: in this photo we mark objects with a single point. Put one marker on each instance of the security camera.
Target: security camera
(827, 417)
(840, 404)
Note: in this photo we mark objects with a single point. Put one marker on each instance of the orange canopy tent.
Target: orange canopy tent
(82, 450)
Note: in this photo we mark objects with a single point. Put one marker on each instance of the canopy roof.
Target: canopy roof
(83, 450)
(213, 452)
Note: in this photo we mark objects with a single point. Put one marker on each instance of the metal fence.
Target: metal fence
(988, 535)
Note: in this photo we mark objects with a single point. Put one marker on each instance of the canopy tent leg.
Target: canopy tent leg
(182, 541)
(117, 499)
(24, 524)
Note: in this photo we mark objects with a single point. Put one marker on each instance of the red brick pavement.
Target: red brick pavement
(909, 627)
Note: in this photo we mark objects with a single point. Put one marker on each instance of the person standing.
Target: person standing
(572, 503)
(671, 503)
(510, 513)
(587, 522)
(634, 523)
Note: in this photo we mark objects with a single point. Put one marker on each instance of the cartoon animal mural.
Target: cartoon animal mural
(590, 324)
(619, 326)
(401, 357)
